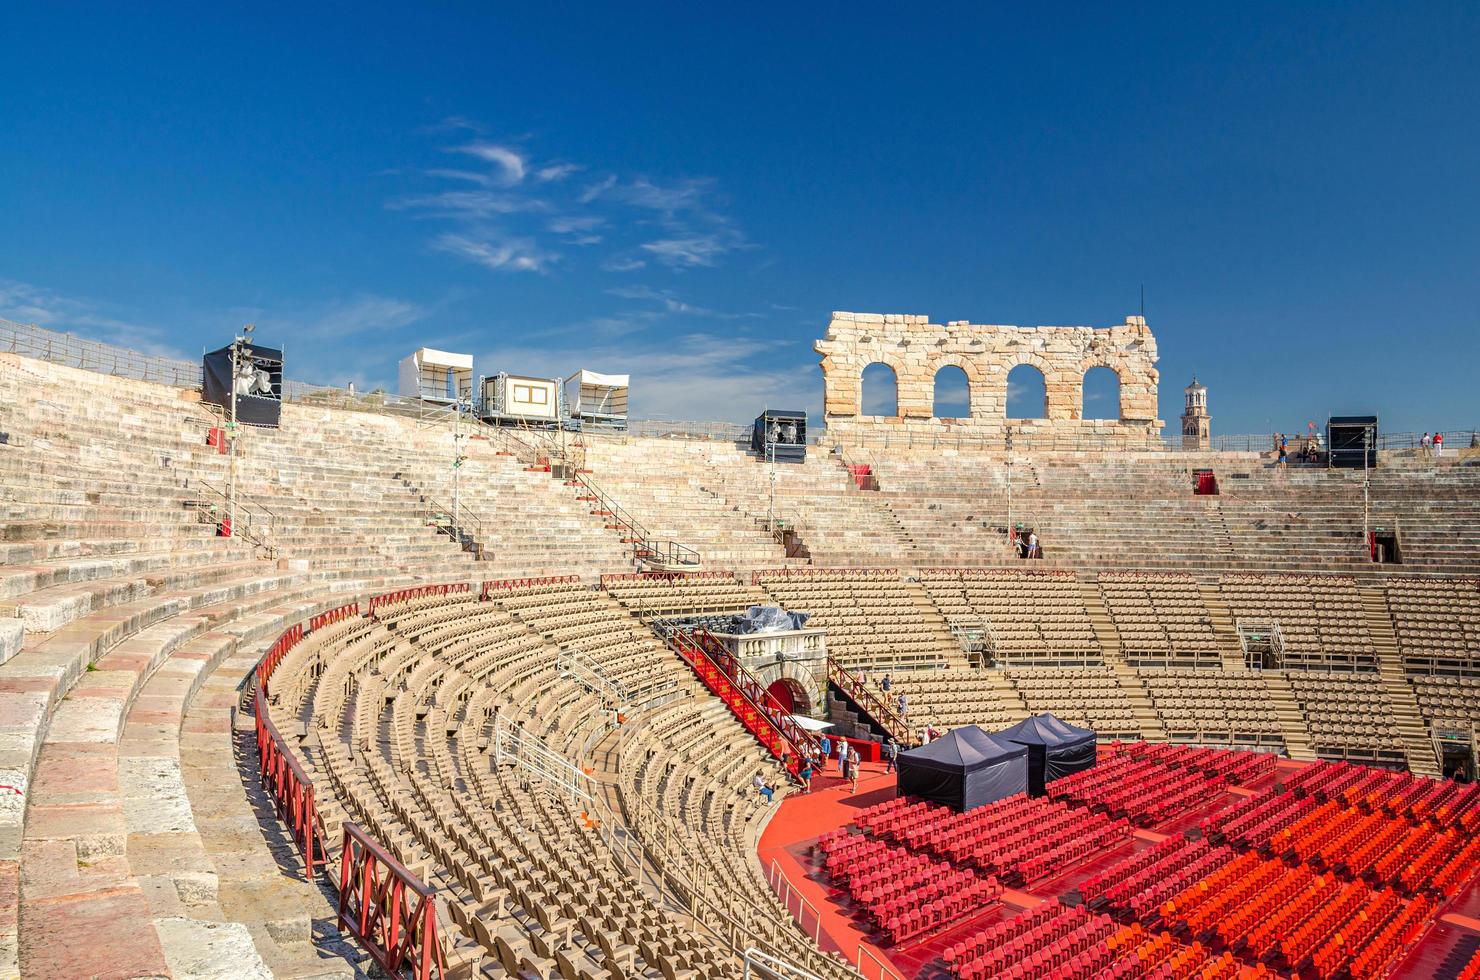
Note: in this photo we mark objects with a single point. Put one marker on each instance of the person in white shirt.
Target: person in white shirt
(1033, 544)
(760, 787)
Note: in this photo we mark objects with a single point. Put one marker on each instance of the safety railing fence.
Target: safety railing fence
(790, 896)
(279, 771)
(254, 520)
(877, 707)
(872, 966)
(389, 910)
(459, 522)
(762, 966)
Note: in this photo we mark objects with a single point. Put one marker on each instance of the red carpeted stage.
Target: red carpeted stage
(825, 909)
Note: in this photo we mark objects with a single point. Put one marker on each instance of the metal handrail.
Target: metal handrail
(784, 889)
(699, 642)
(766, 967)
(886, 716)
(260, 523)
(462, 518)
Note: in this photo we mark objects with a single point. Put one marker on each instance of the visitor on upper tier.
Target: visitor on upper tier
(891, 752)
(902, 705)
(1032, 544)
(760, 787)
(1424, 443)
(1438, 444)
(1284, 453)
(855, 763)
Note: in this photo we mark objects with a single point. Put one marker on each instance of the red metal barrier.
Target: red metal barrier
(507, 584)
(289, 787)
(334, 616)
(388, 909)
(401, 595)
(276, 652)
(755, 707)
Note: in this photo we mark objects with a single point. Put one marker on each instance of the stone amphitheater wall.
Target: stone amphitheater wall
(916, 349)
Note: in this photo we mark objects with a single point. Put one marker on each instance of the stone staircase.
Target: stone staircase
(1125, 675)
(1293, 726)
(1229, 650)
(1418, 742)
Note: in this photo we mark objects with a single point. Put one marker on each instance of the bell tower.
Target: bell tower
(1197, 425)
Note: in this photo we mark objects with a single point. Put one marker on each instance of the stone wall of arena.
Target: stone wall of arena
(916, 350)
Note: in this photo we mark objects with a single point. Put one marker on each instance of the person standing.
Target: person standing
(1438, 444)
(844, 769)
(884, 683)
(891, 752)
(1424, 443)
(902, 705)
(1032, 544)
(806, 775)
(825, 747)
(842, 753)
(855, 763)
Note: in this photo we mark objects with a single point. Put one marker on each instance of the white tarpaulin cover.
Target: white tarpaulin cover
(592, 378)
(811, 724)
(442, 358)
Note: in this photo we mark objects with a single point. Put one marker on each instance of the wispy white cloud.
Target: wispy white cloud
(670, 302)
(556, 171)
(28, 303)
(689, 252)
(492, 252)
(467, 205)
(509, 163)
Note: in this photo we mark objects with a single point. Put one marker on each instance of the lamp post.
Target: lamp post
(1366, 488)
(237, 351)
(1009, 482)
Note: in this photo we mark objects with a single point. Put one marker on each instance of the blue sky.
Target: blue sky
(685, 192)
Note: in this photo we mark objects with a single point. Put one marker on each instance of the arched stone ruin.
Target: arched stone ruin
(916, 350)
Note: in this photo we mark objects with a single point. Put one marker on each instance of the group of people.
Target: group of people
(1025, 542)
(1309, 453)
(827, 749)
(1431, 445)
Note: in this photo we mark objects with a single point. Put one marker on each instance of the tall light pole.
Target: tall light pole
(237, 345)
(1009, 484)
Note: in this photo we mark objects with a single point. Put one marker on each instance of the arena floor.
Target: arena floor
(786, 847)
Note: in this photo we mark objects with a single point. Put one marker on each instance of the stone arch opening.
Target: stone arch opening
(880, 390)
(791, 695)
(1027, 393)
(952, 396)
(1100, 394)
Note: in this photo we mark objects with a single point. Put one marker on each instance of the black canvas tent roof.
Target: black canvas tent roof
(963, 769)
(1055, 748)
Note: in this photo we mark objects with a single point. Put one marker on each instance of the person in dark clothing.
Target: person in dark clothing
(891, 752)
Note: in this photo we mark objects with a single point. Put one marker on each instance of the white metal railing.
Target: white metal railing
(579, 667)
(767, 967)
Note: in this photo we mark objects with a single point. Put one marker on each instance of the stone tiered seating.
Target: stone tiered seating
(1033, 618)
(666, 486)
(872, 618)
(1437, 624)
(1214, 707)
(1161, 619)
(1320, 618)
(655, 596)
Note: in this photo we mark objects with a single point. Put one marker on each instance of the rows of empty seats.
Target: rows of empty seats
(1031, 617)
(1161, 619)
(1320, 617)
(681, 594)
(871, 617)
(1216, 707)
(1437, 624)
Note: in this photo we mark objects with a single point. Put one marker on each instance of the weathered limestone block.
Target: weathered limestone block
(12, 635)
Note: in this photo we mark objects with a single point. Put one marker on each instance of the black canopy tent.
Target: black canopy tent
(1055, 748)
(964, 769)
